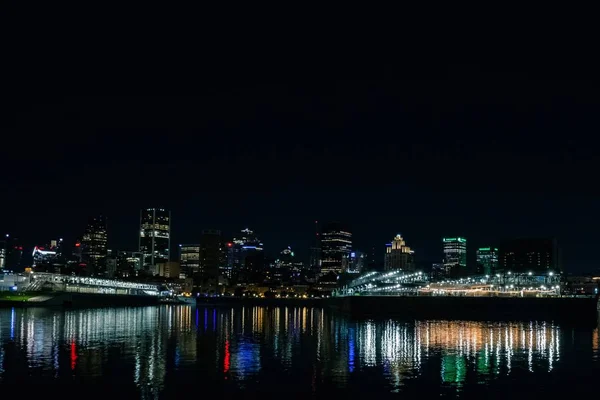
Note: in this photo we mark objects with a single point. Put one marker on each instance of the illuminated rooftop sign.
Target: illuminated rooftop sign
(456, 239)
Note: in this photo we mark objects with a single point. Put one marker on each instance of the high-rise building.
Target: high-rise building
(169, 269)
(315, 250)
(487, 260)
(438, 271)
(11, 253)
(93, 244)
(189, 259)
(356, 262)
(282, 268)
(211, 254)
(535, 255)
(244, 245)
(3, 245)
(336, 243)
(455, 256)
(399, 256)
(155, 237)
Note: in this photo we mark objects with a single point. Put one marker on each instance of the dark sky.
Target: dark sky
(489, 154)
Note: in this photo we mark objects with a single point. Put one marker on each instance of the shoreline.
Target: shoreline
(409, 307)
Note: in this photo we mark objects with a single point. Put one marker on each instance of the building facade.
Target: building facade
(155, 237)
(525, 255)
(399, 256)
(357, 262)
(336, 244)
(487, 261)
(211, 254)
(169, 269)
(314, 261)
(455, 256)
(11, 253)
(94, 245)
(189, 259)
(245, 244)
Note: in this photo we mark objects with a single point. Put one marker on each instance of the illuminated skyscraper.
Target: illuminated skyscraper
(356, 262)
(487, 260)
(189, 259)
(246, 243)
(155, 237)
(455, 256)
(399, 255)
(93, 244)
(336, 244)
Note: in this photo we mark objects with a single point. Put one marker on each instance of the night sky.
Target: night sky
(484, 154)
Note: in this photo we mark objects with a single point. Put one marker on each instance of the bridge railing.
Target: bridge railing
(90, 281)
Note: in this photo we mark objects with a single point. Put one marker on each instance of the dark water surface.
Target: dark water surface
(245, 352)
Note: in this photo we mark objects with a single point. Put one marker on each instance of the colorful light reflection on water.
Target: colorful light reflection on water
(155, 350)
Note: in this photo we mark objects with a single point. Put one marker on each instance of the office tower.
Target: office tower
(282, 268)
(77, 250)
(438, 271)
(47, 254)
(336, 243)
(399, 256)
(169, 269)
(128, 263)
(155, 237)
(11, 253)
(211, 254)
(535, 255)
(315, 250)
(355, 262)
(3, 245)
(455, 256)
(93, 244)
(487, 260)
(242, 246)
(189, 259)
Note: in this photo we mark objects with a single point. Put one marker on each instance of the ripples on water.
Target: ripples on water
(164, 352)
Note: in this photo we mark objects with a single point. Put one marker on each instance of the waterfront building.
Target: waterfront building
(189, 259)
(11, 253)
(539, 256)
(47, 254)
(245, 244)
(438, 271)
(487, 261)
(356, 262)
(211, 254)
(455, 256)
(169, 269)
(314, 261)
(336, 243)
(93, 245)
(155, 237)
(399, 256)
(282, 267)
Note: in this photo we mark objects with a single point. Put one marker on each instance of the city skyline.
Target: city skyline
(461, 156)
(303, 254)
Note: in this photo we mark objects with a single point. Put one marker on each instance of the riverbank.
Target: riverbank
(571, 309)
(78, 300)
(260, 301)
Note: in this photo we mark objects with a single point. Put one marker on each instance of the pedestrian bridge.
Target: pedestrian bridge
(69, 283)
(398, 283)
(395, 282)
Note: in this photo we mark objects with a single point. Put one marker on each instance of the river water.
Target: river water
(296, 352)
